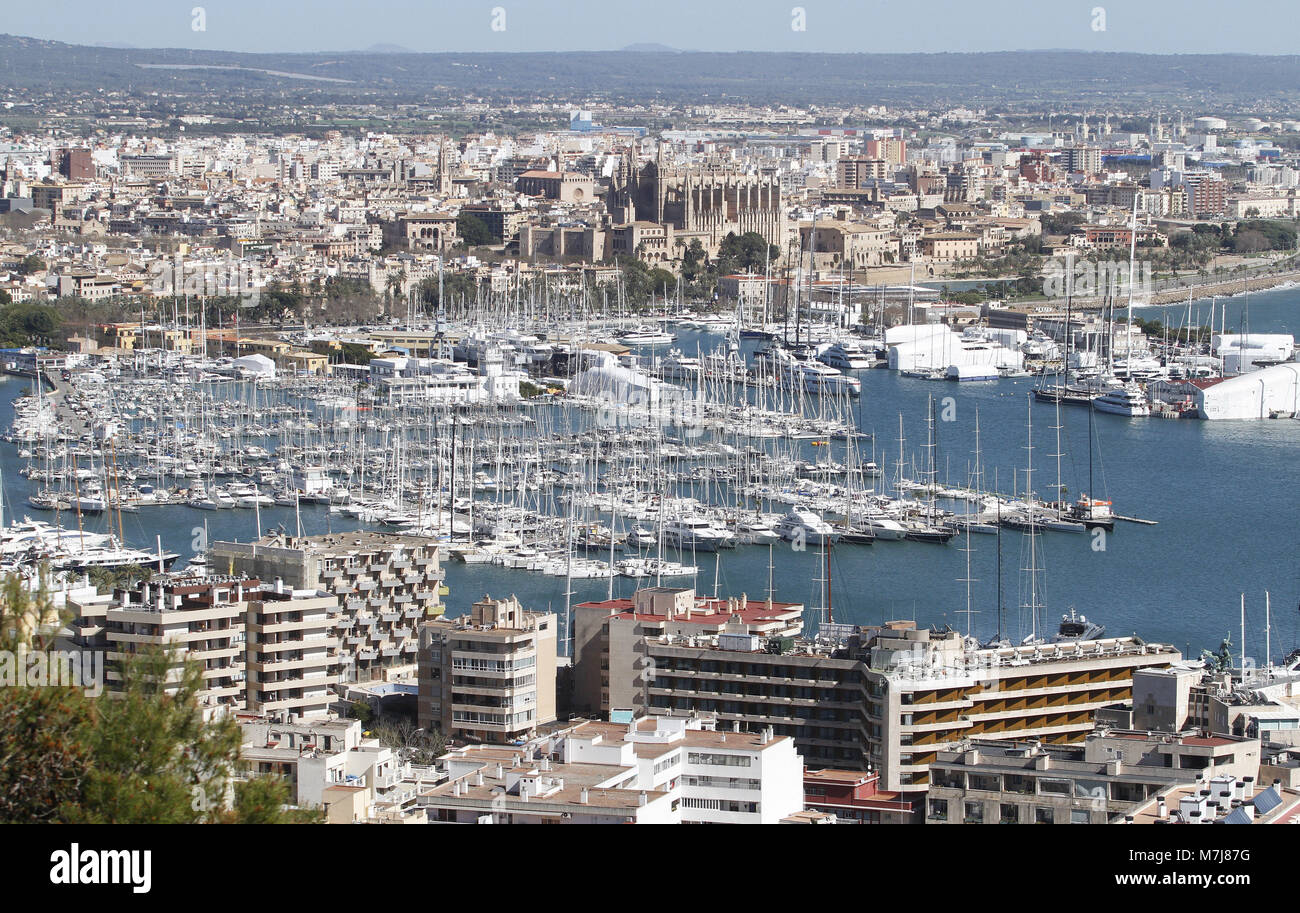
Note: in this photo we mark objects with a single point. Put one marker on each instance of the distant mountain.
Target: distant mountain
(645, 47)
(388, 49)
(1024, 79)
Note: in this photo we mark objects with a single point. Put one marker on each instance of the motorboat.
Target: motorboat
(1077, 627)
(1129, 400)
(696, 533)
(806, 527)
(647, 336)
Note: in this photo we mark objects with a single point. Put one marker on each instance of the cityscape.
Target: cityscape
(764, 430)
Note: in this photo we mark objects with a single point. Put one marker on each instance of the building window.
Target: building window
(938, 810)
(1044, 815)
(1010, 814)
(1078, 816)
(974, 813)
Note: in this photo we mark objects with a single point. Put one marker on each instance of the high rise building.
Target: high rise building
(385, 584)
(75, 164)
(892, 149)
(854, 171)
(488, 675)
(881, 698)
(260, 647)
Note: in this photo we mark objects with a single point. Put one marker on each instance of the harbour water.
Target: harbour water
(1223, 494)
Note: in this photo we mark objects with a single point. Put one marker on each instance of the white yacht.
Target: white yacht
(676, 366)
(757, 532)
(805, 526)
(696, 533)
(846, 356)
(1128, 400)
(818, 378)
(647, 336)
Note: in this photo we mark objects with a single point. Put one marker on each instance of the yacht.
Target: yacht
(647, 336)
(1092, 513)
(757, 532)
(696, 533)
(884, 528)
(924, 532)
(1077, 627)
(1129, 400)
(805, 526)
(676, 366)
(847, 356)
(818, 378)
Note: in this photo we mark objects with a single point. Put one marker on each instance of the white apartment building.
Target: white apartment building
(330, 764)
(660, 770)
(268, 648)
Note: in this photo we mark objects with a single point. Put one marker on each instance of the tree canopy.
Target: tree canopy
(145, 755)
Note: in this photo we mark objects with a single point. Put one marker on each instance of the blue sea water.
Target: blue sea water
(1224, 495)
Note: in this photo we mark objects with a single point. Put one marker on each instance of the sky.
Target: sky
(1146, 26)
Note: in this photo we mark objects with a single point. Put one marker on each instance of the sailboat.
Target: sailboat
(1129, 399)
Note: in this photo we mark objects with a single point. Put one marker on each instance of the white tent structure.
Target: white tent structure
(926, 348)
(1242, 353)
(607, 380)
(1266, 393)
(255, 365)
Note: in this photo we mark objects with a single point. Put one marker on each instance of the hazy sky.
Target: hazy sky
(1152, 26)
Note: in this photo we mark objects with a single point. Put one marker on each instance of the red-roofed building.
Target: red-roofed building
(610, 663)
(855, 797)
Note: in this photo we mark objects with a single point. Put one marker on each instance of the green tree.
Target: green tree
(744, 253)
(30, 264)
(473, 231)
(144, 755)
(360, 710)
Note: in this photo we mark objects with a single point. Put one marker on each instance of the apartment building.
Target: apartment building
(927, 690)
(1027, 782)
(203, 620)
(855, 797)
(330, 764)
(1207, 194)
(385, 585)
(891, 149)
(488, 675)
(1081, 159)
(149, 167)
(613, 668)
(853, 171)
(292, 662)
(651, 770)
(885, 699)
(260, 647)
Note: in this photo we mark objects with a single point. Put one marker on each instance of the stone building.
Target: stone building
(705, 202)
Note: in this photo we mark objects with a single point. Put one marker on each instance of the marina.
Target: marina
(751, 482)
